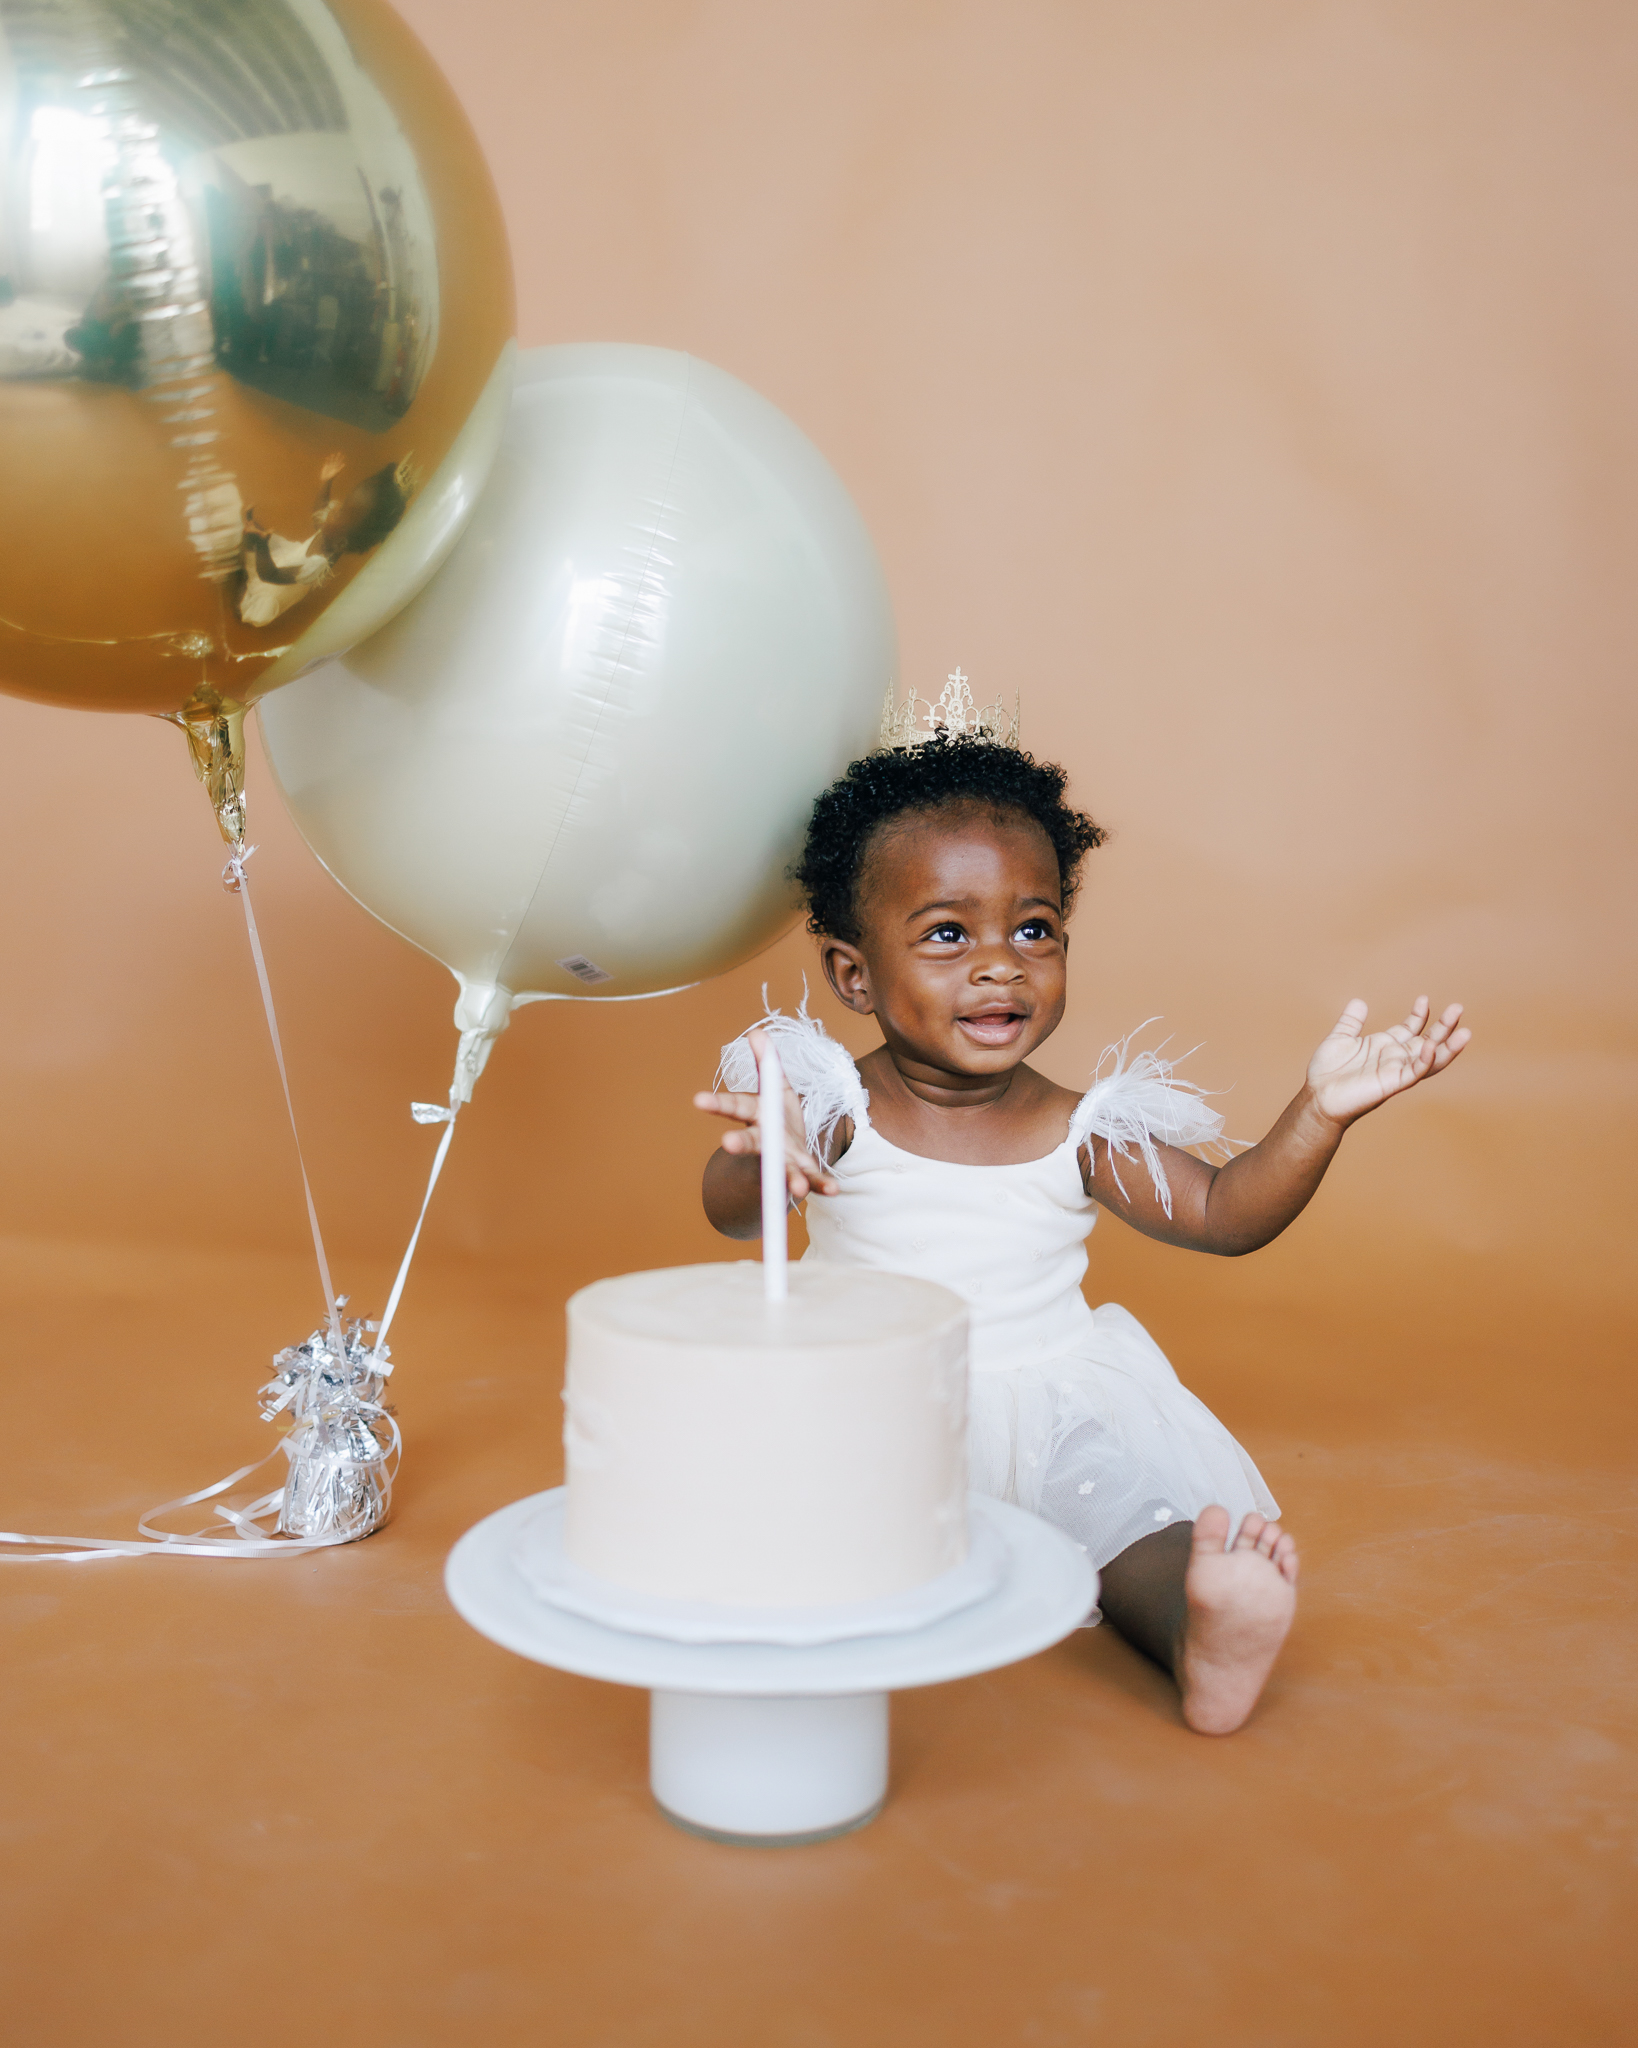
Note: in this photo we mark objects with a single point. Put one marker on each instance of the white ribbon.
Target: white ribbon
(241, 1537)
(235, 880)
(423, 1113)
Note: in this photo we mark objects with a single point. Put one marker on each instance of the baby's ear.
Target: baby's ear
(847, 974)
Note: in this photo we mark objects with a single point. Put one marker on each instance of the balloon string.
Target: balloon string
(235, 880)
(424, 1113)
(241, 1538)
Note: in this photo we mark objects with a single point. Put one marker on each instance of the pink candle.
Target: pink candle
(770, 1119)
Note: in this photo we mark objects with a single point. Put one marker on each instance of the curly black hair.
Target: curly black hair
(948, 769)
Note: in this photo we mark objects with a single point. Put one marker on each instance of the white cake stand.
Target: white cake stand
(769, 1743)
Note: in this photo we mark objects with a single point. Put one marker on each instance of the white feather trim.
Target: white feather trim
(817, 1067)
(1139, 1100)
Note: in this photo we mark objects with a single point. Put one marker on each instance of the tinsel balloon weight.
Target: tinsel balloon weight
(582, 760)
(255, 308)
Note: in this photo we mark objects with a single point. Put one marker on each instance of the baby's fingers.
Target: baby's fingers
(1451, 1046)
(1442, 1026)
(741, 1108)
(1352, 1021)
(1442, 1039)
(1448, 1020)
(815, 1179)
(738, 1110)
(1440, 1043)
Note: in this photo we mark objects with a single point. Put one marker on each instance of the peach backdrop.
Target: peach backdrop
(1249, 387)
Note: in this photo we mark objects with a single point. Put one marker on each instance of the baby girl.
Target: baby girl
(939, 879)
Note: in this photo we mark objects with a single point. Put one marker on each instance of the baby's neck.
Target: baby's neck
(940, 1088)
(967, 1119)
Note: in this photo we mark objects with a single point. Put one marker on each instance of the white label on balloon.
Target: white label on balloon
(585, 970)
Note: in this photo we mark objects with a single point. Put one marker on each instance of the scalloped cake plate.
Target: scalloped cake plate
(538, 1554)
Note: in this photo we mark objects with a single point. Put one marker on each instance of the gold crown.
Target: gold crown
(903, 725)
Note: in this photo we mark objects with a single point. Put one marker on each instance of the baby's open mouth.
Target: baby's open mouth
(993, 1027)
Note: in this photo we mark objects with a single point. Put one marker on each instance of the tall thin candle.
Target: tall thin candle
(770, 1119)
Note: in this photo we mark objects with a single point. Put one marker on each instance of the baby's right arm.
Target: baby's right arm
(732, 1189)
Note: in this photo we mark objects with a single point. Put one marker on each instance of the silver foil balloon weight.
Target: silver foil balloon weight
(343, 1444)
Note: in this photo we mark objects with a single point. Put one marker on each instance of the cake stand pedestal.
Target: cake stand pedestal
(765, 1742)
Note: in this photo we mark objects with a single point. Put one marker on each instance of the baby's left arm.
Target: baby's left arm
(1242, 1206)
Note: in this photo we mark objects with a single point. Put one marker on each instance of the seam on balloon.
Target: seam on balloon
(574, 787)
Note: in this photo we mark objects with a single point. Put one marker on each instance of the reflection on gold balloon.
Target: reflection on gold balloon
(255, 309)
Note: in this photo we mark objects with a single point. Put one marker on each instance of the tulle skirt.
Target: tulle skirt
(1107, 1443)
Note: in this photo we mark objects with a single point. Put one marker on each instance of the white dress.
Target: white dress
(1074, 1412)
(263, 604)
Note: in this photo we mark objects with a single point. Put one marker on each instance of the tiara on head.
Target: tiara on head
(903, 725)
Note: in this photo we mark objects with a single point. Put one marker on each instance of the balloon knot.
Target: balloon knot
(233, 875)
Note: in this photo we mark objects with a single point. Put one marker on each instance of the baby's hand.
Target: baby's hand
(1352, 1073)
(804, 1175)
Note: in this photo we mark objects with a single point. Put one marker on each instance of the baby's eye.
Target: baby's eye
(1034, 928)
(947, 934)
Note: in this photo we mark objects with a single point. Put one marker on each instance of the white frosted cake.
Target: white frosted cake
(806, 1453)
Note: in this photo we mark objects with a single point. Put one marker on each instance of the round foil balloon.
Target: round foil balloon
(255, 304)
(582, 759)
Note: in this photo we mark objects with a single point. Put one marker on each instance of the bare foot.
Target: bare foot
(1241, 1603)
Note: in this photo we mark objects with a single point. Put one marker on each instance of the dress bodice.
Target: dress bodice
(1010, 1240)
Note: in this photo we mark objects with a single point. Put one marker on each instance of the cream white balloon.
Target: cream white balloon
(582, 760)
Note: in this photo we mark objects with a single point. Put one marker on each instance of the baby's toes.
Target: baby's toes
(1285, 1556)
(1252, 1530)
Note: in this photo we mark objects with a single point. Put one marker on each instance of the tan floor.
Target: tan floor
(265, 1802)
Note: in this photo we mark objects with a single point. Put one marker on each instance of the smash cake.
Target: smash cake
(731, 1450)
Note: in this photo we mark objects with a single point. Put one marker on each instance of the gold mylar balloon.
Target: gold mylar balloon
(255, 320)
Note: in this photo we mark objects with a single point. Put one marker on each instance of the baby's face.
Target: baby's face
(961, 952)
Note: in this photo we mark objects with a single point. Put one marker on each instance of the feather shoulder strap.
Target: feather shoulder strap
(1136, 1099)
(817, 1067)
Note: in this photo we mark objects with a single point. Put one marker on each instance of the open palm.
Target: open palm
(1352, 1071)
